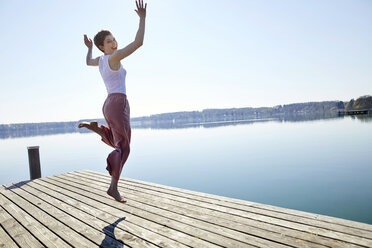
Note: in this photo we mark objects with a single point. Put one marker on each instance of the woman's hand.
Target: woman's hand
(88, 42)
(141, 11)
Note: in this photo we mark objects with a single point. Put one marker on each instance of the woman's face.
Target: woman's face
(109, 44)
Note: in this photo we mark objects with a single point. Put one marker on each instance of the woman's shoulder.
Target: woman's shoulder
(103, 58)
(106, 65)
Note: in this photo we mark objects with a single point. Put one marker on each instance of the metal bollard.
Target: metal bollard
(34, 162)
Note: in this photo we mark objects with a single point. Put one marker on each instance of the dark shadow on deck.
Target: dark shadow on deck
(109, 231)
(17, 185)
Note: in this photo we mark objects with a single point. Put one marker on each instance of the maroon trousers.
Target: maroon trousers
(117, 135)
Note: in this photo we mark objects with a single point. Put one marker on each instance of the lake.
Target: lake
(320, 166)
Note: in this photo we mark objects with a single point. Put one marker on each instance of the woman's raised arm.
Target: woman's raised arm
(88, 42)
(138, 41)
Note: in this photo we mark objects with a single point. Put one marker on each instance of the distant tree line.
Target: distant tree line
(206, 118)
(362, 103)
(236, 114)
(36, 129)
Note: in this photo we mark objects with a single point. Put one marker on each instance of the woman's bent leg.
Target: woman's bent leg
(117, 158)
(106, 135)
(116, 112)
(104, 132)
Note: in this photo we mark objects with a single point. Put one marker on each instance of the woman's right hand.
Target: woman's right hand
(88, 42)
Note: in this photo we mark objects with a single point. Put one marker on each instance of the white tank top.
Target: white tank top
(114, 80)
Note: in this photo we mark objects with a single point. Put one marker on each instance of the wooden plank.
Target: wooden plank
(6, 240)
(257, 228)
(91, 220)
(154, 211)
(220, 233)
(177, 222)
(266, 227)
(366, 230)
(319, 228)
(53, 223)
(141, 219)
(238, 202)
(43, 234)
(274, 233)
(18, 233)
(97, 237)
(129, 235)
(235, 230)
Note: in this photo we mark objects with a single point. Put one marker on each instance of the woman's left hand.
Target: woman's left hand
(141, 10)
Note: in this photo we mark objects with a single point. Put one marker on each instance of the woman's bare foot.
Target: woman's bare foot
(115, 195)
(93, 126)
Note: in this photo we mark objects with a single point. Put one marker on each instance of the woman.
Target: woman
(116, 107)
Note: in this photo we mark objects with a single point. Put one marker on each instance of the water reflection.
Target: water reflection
(364, 118)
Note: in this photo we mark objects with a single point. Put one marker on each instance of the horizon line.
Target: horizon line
(186, 111)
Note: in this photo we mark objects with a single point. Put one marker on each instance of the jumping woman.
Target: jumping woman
(116, 106)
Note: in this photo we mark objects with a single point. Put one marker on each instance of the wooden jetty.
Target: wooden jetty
(354, 112)
(73, 210)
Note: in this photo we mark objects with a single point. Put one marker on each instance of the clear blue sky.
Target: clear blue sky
(196, 55)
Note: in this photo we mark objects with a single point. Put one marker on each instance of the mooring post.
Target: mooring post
(34, 162)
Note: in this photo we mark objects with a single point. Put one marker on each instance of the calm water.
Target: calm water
(322, 166)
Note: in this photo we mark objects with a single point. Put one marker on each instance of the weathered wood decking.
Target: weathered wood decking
(73, 210)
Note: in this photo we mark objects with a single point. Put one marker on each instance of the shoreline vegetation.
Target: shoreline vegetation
(206, 118)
